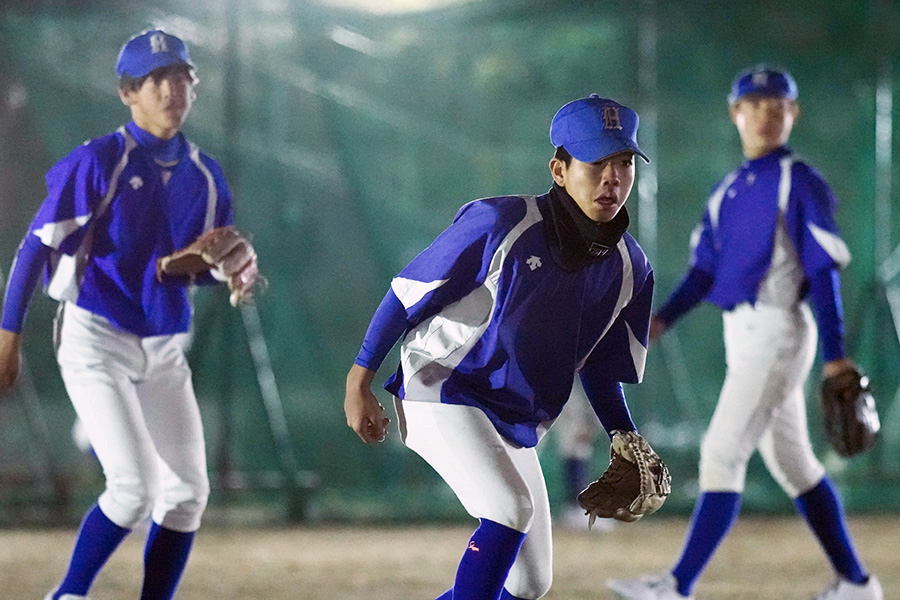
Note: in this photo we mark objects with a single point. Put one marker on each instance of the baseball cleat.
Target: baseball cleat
(844, 590)
(65, 597)
(657, 586)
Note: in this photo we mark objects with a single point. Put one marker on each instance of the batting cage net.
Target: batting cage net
(350, 138)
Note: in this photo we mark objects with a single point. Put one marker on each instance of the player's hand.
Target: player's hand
(832, 368)
(364, 414)
(10, 359)
(657, 328)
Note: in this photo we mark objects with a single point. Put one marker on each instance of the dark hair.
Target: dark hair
(563, 155)
(133, 84)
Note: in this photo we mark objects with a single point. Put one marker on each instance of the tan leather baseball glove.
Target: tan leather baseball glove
(635, 484)
(223, 251)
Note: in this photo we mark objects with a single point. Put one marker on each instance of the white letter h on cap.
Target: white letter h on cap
(158, 43)
(611, 117)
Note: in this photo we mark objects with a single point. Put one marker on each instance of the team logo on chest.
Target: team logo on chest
(533, 262)
(135, 182)
(611, 118)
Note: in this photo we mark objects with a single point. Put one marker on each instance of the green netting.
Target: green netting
(350, 141)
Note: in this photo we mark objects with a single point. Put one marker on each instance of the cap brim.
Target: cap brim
(596, 150)
(160, 61)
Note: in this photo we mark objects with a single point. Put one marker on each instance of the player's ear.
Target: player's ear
(558, 171)
(732, 112)
(127, 96)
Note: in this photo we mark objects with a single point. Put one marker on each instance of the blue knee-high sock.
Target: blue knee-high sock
(713, 516)
(504, 595)
(823, 510)
(483, 569)
(165, 557)
(97, 539)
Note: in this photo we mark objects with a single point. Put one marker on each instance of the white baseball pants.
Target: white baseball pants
(769, 353)
(136, 402)
(492, 478)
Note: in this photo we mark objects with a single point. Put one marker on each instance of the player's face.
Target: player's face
(600, 188)
(163, 102)
(764, 123)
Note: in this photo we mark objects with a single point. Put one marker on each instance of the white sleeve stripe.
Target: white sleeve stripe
(784, 184)
(832, 244)
(410, 291)
(638, 353)
(53, 234)
(715, 201)
(213, 198)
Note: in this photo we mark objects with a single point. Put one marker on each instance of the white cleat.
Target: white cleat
(844, 590)
(65, 597)
(658, 586)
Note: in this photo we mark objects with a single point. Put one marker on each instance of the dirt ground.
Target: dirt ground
(763, 558)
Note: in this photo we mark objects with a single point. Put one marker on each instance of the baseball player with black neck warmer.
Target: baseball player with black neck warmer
(767, 251)
(497, 316)
(114, 206)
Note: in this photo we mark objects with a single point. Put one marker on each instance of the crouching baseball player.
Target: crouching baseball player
(116, 208)
(497, 316)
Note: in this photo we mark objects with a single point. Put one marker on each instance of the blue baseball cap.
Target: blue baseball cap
(592, 128)
(149, 51)
(763, 81)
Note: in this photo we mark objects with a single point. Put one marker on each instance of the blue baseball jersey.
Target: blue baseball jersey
(493, 322)
(734, 242)
(110, 212)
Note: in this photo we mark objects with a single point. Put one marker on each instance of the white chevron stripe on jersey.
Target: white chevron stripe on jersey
(832, 244)
(53, 234)
(638, 353)
(410, 291)
(626, 291)
(436, 346)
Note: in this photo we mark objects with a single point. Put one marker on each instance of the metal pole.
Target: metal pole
(648, 213)
(647, 87)
(40, 432)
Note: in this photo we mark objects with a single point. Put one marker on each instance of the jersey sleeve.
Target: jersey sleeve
(622, 353)
(825, 297)
(23, 278)
(452, 266)
(607, 398)
(691, 290)
(386, 327)
(704, 252)
(810, 222)
(75, 187)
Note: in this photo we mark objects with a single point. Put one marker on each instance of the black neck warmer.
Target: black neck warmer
(575, 240)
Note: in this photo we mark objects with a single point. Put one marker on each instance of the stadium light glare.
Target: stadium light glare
(393, 6)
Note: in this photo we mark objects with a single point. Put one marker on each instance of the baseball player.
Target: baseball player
(114, 206)
(767, 251)
(497, 316)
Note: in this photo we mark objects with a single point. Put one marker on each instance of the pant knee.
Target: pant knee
(183, 509)
(516, 514)
(722, 468)
(126, 503)
(795, 474)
